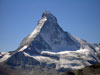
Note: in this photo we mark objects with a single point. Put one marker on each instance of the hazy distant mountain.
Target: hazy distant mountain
(50, 48)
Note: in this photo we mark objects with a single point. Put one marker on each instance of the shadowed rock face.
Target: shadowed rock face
(49, 36)
(19, 59)
(49, 17)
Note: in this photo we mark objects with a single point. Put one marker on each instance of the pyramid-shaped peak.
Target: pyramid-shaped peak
(49, 16)
(47, 13)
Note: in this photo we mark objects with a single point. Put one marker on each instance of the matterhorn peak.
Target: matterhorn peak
(48, 36)
(46, 13)
(49, 16)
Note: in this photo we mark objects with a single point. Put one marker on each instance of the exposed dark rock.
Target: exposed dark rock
(19, 59)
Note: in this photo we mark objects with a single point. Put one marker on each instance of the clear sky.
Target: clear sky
(19, 17)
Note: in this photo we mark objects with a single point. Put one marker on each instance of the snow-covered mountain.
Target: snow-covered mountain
(49, 46)
(49, 36)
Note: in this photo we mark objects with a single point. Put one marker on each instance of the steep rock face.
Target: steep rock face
(19, 59)
(49, 36)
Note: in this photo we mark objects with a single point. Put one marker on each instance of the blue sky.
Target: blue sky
(19, 17)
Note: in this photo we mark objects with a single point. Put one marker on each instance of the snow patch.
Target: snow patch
(26, 54)
(67, 59)
(23, 48)
(37, 29)
(5, 57)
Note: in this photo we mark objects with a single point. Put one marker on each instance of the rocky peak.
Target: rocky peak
(46, 13)
(50, 17)
(49, 36)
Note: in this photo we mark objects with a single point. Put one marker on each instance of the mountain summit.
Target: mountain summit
(48, 36)
(48, 47)
(49, 16)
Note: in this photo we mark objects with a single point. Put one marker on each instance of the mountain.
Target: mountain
(48, 36)
(49, 48)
